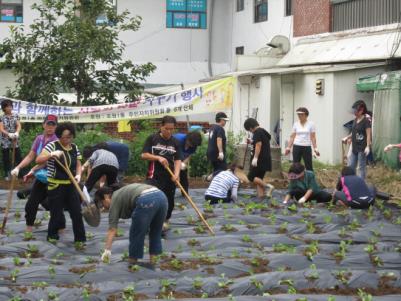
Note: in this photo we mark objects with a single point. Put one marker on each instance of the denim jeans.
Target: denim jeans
(148, 215)
(360, 158)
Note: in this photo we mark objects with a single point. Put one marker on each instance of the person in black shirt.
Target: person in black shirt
(260, 157)
(216, 149)
(360, 137)
(162, 150)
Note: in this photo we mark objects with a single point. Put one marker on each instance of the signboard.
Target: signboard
(210, 97)
(7, 15)
(186, 14)
(197, 5)
(177, 5)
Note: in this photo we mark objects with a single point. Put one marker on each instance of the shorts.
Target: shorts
(255, 172)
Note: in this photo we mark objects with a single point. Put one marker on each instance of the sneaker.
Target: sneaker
(269, 191)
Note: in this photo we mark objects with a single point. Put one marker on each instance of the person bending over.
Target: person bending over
(303, 186)
(146, 205)
(100, 163)
(188, 145)
(352, 190)
(224, 187)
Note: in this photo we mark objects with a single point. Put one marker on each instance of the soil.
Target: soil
(83, 269)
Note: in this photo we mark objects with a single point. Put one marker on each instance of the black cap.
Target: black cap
(221, 115)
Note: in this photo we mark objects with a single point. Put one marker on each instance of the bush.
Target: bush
(137, 166)
(90, 137)
(199, 164)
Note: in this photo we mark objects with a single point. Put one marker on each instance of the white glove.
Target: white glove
(221, 156)
(11, 135)
(254, 161)
(78, 178)
(106, 255)
(16, 135)
(388, 147)
(183, 166)
(302, 200)
(15, 172)
(367, 151)
(56, 153)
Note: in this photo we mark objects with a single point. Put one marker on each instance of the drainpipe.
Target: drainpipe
(209, 61)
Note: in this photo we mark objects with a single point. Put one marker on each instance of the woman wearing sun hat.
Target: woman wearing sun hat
(302, 139)
(303, 186)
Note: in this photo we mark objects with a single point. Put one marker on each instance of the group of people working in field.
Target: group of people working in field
(150, 204)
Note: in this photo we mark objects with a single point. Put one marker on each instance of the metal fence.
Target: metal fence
(365, 13)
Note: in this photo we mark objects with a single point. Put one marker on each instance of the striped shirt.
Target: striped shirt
(55, 173)
(103, 157)
(222, 183)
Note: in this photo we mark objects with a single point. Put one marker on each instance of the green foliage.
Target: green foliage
(90, 137)
(137, 166)
(199, 165)
(49, 56)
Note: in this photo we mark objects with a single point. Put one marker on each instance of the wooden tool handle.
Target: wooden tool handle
(191, 202)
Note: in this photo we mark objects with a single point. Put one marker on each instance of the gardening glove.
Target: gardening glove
(106, 255)
(78, 178)
(302, 200)
(367, 151)
(183, 166)
(11, 136)
(388, 147)
(16, 135)
(15, 172)
(254, 162)
(56, 153)
(221, 156)
(316, 151)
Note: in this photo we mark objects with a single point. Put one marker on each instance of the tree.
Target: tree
(63, 48)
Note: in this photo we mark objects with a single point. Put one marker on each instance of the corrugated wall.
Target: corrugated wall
(365, 13)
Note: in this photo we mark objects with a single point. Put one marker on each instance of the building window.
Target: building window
(288, 8)
(350, 14)
(102, 19)
(239, 50)
(186, 14)
(240, 5)
(260, 11)
(11, 11)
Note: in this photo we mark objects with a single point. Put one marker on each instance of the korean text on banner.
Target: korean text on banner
(209, 97)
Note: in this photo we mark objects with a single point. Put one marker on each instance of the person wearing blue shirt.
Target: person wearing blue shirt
(188, 144)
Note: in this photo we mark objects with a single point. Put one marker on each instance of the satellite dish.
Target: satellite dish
(278, 46)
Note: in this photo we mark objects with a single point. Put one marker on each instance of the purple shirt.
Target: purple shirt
(40, 142)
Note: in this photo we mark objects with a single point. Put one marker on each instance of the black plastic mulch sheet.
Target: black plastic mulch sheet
(261, 251)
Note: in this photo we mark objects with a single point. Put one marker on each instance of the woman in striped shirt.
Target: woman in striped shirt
(61, 192)
(224, 187)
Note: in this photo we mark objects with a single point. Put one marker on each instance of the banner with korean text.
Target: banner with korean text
(208, 97)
